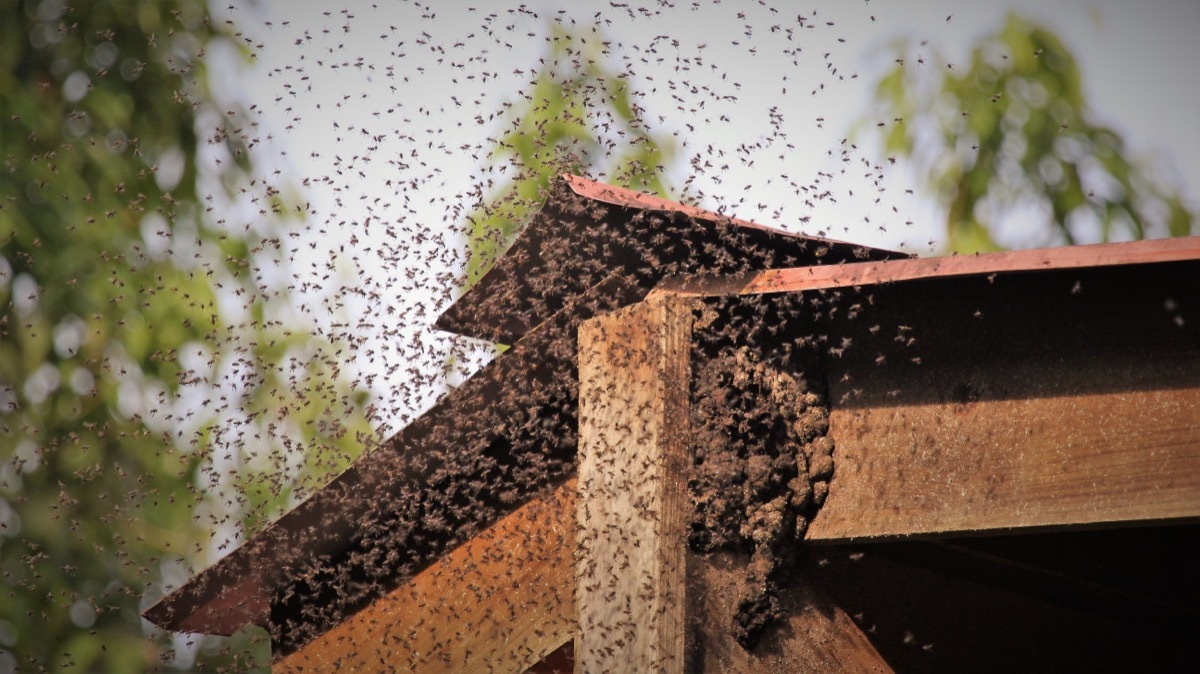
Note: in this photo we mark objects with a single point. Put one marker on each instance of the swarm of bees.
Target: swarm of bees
(512, 430)
(371, 268)
(336, 199)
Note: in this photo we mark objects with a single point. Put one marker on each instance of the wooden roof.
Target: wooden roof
(590, 249)
(990, 395)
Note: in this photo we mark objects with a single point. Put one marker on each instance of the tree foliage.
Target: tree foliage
(1012, 128)
(147, 349)
(578, 116)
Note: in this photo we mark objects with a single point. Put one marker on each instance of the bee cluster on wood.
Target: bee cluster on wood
(761, 463)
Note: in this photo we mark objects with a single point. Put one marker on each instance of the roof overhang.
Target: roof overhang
(617, 246)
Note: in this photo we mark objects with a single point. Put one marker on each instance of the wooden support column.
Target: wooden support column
(646, 603)
(633, 392)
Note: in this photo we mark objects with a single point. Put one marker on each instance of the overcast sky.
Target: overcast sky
(1137, 61)
(378, 107)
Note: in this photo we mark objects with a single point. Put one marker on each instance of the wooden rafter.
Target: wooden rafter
(500, 602)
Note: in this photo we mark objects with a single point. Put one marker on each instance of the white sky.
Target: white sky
(376, 105)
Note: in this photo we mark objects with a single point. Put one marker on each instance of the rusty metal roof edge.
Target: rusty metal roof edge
(853, 274)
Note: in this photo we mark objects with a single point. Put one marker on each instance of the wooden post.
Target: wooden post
(633, 392)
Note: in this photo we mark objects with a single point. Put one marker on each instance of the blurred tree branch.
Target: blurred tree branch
(580, 116)
(1012, 128)
(159, 397)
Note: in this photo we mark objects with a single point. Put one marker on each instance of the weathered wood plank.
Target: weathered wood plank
(499, 603)
(1019, 445)
(633, 366)
(814, 635)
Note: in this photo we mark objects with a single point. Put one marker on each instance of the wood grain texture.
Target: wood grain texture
(1019, 445)
(634, 366)
(815, 634)
(499, 603)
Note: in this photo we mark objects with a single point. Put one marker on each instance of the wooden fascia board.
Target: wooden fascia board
(882, 272)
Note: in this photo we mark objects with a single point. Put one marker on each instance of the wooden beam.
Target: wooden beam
(633, 393)
(966, 403)
(501, 602)
(1009, 444)
(815, 634)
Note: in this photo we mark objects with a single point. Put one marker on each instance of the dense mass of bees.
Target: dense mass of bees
(762, 460)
